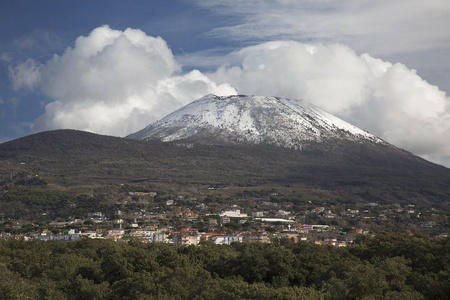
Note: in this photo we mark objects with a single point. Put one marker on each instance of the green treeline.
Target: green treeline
(30, 204)
(388, 266)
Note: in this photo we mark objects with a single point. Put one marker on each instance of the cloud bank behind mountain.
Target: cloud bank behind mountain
(111, 82)
(117, 82)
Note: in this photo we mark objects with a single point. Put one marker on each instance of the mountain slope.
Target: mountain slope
(254, 120)
(236, 141)
(361, 171)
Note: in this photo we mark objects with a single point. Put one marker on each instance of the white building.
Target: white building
(227, 239)
(233, 214)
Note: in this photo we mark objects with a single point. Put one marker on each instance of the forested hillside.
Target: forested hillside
(68, 159)
(388, 266)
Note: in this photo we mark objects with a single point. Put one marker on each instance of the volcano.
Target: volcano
(253, 120)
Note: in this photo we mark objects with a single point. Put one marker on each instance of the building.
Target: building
(282, 213)
(274, 220)
(62, 237)
(115, 234)
(226, 239)
(334, 242)
(233, 214)
(185, 239)
(257, 236)
(186, 236)
(143, 194)
(225, 220)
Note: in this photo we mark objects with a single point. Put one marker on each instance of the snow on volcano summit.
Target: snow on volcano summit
(252, 119)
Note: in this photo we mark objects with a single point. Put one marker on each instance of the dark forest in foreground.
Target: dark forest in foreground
(388, 266)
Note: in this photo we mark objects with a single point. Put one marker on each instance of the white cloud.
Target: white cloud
(117, 82)
(37, 40)
(409, 31)
(26, 74)
(383, 26)
(6, 57)
(112, 82)
(386, 99)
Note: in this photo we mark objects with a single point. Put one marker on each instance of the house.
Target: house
(226, 239)
(319, 227)
(282, 213)
(118, 223)
(149, 235)
(185, 239)
(90, 234)
(60, 224)
(189, 230)
(99, 215)
(302, 228)
(257, 236)
(141, 233)
(62, 237)
(330, 242)
(233, 214)
(143, 194)
(334, 242)
(225, 220)
(115, 234)
(318, 209)
(159, 237)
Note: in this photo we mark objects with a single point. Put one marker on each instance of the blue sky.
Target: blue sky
(112, 67)
(51, 26)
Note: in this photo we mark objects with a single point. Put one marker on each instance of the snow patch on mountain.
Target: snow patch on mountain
(252, 119)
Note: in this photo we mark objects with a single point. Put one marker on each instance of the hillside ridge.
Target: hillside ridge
(363, 171)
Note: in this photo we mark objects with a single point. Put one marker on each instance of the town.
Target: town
(224, 215)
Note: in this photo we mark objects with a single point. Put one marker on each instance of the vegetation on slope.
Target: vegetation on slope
(67, 159)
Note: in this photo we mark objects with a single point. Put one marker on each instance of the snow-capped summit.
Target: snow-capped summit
(252, 119)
